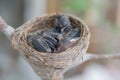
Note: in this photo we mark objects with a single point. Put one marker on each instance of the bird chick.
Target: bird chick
(61, 22)
(57, 39)
(38, 42)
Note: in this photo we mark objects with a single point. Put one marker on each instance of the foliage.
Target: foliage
(77, 5)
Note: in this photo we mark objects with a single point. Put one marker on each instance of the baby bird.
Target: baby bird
(57, 39)
(37, 42)
(61, 22)
(42, 42)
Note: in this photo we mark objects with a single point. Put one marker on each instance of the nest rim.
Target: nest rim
(81, 40)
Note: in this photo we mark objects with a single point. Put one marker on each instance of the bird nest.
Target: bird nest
(55, 61)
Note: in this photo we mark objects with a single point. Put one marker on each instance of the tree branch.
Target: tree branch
(6, 29)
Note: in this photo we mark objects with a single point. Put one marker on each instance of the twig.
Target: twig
(90, 56)
(3, 24)
(6, 29)
(93, 57)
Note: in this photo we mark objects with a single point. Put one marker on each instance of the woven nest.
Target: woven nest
(57, 61)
